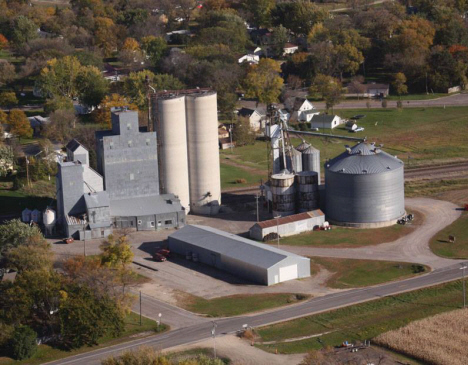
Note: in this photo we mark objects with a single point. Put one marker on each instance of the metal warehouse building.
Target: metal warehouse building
(288, 226)
(239, 256)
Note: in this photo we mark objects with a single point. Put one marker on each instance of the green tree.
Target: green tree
(243, 134)
(58, 103)
(7, 72)
(3, 117)
(62, 123)
(116, 251)
(15, 233)
(328, 88)
(19, 124)
(29, 257)
(85, 317)
(278, 39)
(6, 159)
(91, 86)
(399, 84)
(59, 77)
(8, 99)
(260, 10)
(23, 343)
(23, 30)
(154, 48)
(136, 88)
(299, 16)
(263, 81)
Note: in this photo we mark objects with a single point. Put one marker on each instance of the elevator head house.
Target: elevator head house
(253, 261)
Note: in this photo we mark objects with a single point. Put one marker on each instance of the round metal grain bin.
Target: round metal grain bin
(172, 137)
(307, 191)
(283, 194)
(364, 187)
(303, 146)
(293, 160)
(311, 160)
(203, 153)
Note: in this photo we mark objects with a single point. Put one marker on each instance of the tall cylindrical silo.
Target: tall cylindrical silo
(293, 160)
(364, 188)
(311, 160)
(283, 194)
(203, 153)
(171, 131)
(307, 191)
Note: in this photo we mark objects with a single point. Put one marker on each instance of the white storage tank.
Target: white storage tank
(307, 191)
(283, 194)
(171, 129)
(48, 217)
(203, 153)
(26, 215)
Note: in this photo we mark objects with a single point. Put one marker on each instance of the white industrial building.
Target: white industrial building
(289, 225)
(253, 261)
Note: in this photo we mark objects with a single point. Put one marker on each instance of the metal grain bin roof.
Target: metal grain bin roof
(231, 245)
(364, 159)
(303, 146)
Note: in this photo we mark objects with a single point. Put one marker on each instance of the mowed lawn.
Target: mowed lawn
(234, 177)
(46, 353)
(441, 246)
(234, 305)
(350, 273)
(340, 237)
(362, 321)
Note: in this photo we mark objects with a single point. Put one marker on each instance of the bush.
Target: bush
(384, 103)
(23, 343)
(368, 105)
(417, 268)
(399, 104)
(241, 181)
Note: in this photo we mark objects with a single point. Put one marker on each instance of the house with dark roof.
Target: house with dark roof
(303, 110)
(239, 256)
(256, 118)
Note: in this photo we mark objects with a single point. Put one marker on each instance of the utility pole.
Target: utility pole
(257, 197)
(213, 334)
(140, 307)
(230, 137)
(27, 172)
(277, 228)
(463, 282)
(84, 235)
(147, 81)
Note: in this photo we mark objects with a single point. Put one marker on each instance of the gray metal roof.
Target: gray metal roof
(303, 146)
(146, 205)
(323, 118)
(97, 200)
(364, 159)
(233, 246)
(74, 144)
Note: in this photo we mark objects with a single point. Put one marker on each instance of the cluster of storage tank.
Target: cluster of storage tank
(295, 188)
(187, 132)
(47, 218)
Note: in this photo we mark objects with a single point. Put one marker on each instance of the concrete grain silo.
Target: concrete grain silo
(283, 194)
(364, 188)
(171, 128)
(203, 152)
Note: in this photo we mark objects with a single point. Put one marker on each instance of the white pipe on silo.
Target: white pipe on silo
(203, 153)
(172, 139)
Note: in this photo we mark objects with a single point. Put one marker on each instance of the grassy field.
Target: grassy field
(39, 196)
(417, 96)
(436, 340)
(362, 321)
(341, 237)
(229, 175)
(348, 273)
(435, 187)
(237, 304)
(132, 327)
(441, 246)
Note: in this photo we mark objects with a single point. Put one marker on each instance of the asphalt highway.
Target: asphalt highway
(202, 331)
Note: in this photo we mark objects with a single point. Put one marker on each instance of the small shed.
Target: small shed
(374, 89)
(350, 125)
(288, 226)
(325, 121)
(253, 261)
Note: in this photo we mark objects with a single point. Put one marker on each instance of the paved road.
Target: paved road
(413, 247)
(230, 325)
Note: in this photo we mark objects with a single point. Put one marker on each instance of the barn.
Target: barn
(256, 262)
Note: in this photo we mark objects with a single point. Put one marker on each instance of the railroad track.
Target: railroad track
(418, 172)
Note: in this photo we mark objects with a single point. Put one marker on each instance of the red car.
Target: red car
(163, 251)
(68, 240)
(158, 257)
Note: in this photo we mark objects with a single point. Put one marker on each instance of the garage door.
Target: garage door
(288, 273)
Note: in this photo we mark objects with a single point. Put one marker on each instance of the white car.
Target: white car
(360, 129)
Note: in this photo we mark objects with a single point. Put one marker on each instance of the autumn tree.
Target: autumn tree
(7, 72)
(116, 251)
(105, 35)
(263, 81)
(8, 99)
(19, 124)
(328, 88)
(61, 125)
(243, 134)
(102, 115)
(59, 77)
(136, 87)
(3, 42)
(399, 84)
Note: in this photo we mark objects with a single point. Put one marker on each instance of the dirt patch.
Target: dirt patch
(458, 197)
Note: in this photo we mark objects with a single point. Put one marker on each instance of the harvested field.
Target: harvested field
(440, 339)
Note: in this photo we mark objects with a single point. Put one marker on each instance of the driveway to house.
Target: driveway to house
(413, 247)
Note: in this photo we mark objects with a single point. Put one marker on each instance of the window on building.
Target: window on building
(152, 224)
(132, 177)
(139, 222)
(147, 141)
(159, 223)
(168, 222)
(129, 126)
(129, 143)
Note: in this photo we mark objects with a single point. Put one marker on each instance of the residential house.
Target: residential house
(251, 59)
(38, 123)
(255, 116)
(6, 128)
(290, 48)
(351, 125)
(379, 90)
(303, 110)
(325, 121)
